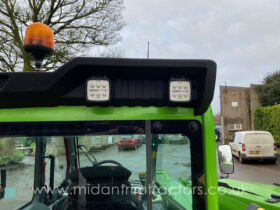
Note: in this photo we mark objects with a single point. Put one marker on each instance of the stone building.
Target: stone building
(237, 109)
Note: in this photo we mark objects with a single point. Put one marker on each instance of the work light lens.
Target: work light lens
(180, 91)
(98, 90)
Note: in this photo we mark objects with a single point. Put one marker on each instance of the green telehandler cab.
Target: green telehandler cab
(117, 134)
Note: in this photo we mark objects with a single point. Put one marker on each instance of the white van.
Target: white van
(253, 145)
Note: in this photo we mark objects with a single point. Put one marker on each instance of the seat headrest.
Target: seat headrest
(117, 172)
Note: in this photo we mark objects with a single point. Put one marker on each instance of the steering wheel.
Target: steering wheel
(109, 161)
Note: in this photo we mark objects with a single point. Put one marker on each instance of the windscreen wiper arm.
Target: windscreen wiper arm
(222, 184)
(81, 146)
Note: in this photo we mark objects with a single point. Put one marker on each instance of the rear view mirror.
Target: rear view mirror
(225, 159)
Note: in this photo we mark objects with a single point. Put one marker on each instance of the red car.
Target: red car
(129, 143)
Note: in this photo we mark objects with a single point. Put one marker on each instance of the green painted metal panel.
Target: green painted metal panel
(83, 113)
(228, 203)
(209, 150)
(252, 192)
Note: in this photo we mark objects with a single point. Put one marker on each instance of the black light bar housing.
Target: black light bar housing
(133, 82)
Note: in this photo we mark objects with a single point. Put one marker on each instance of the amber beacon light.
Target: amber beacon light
(39, 41)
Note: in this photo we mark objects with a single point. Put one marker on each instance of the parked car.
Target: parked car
(217, 134)
(143, 138)
(249, 145)
(129, 143)
(175, 139)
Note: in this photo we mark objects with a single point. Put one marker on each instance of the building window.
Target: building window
(231, 126)
(238, 126)
(234, 104)
(234, 127)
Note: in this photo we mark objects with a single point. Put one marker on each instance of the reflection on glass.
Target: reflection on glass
(55, 146)
(17, 162)
(128, 150)
(101, 154)
(113, 170)
(173, 171)
(106, 156)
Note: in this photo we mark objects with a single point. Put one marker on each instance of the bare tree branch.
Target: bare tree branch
(78, 25)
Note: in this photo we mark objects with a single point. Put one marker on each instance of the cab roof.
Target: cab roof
(133, 82)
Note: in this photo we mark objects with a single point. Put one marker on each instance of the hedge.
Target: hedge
(268, 119)
(16, 156)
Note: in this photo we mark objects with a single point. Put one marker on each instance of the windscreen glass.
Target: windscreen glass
(105, 163)
(173, 168)
(128, 150)
(177, 158)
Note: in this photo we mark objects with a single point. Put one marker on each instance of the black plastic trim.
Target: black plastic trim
(135, 82)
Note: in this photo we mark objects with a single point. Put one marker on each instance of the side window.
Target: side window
(17, 171)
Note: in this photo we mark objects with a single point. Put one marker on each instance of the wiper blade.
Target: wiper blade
(276, 184)
(275, 196)
(86, 154)
(82, 145)
(221, 184)
(274, 199)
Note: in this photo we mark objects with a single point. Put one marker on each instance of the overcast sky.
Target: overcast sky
(242, 37)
